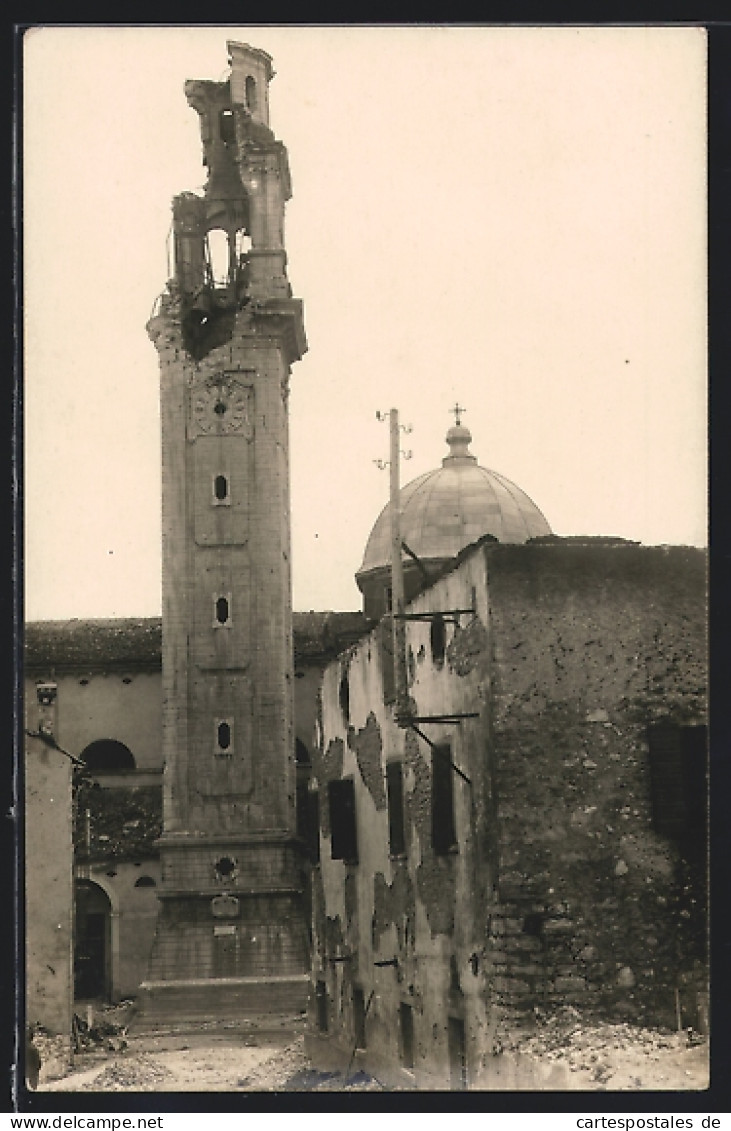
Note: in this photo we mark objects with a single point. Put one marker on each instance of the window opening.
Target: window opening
(106, 755)
(678, 778)
(220, 488)
(457, 1054)
(438, 639)
(321, 1006)
(443, 830)
(225, 868)
(145, 882)
(344, 835)
(395, 793)
(359, 1016)
(92, 941)
(242, 243)
(251, 93)
(223, 736)
(218, 256)
(406, 1024)
(344, 696)
(222, 611)
(226, 126)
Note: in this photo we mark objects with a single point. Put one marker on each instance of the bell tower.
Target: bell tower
(231, 936)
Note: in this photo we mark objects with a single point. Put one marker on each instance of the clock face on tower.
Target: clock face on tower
(221, 405)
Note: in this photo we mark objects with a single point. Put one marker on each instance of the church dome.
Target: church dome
(445, 510)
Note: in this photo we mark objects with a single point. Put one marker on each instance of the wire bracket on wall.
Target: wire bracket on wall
(446, 614)
(434, 745)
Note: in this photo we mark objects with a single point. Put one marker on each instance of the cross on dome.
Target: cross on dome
(457, 410)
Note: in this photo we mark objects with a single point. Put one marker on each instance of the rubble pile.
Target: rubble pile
(105, 1032)
(589, 1047)
(54, 1053)
(139, 1074)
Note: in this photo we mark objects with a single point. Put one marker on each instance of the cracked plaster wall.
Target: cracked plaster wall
(418, 910)
(561, 891)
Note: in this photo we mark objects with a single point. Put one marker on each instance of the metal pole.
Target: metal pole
(397, 573)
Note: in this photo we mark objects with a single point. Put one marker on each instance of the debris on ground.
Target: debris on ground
(141, 1074)
(590, 1056)
(314, 1081)
(615, 1055)
(102, 1029)
(54, 1053)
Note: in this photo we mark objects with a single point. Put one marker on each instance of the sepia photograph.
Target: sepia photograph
(365, 653)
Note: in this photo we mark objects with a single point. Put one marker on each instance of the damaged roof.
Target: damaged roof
(137, 642)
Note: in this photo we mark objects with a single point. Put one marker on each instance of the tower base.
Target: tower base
(227, 952)
(195, 1002)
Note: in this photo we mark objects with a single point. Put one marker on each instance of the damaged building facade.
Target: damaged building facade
(438, 818)
(524, 827)
(99, 908)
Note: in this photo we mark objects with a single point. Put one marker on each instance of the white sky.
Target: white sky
(511, 217)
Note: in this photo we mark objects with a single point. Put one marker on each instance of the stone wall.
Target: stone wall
(593, 643)
(559, 887)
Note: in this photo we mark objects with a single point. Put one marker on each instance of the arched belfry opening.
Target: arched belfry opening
(92, 942)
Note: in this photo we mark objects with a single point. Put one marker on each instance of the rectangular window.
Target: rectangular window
(457, 1054)
(406, 1025)
(321, 1006)
(359, 1016)
(678, 778)
(443, 829)
(395, 792)
(341, 798)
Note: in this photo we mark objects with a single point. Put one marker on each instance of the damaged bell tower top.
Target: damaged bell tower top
(231, 937)
(243, 206)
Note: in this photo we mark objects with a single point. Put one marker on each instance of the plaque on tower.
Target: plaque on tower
(224, 907)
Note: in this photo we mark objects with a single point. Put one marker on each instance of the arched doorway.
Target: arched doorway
(92, 942)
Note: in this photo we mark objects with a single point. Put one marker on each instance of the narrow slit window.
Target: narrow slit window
(457, 1054)
(227, 128)
(443, 827)
(223, 611)
(220, 489)
(251, 95)
(344, 696)
(344, 842)
(395, 793)
(359, 1017)
(224, 736)
(438, 639)
(406, 1025)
